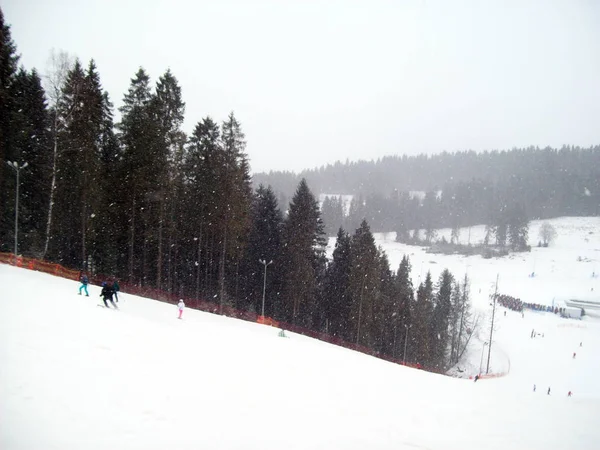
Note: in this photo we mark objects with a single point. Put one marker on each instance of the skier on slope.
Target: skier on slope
(84, 283)
(107, 293)
(116, 290)
(180, 307)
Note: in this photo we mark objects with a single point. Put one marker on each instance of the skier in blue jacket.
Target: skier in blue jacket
(84, 283)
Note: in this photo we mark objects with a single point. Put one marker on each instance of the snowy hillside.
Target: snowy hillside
(562, 271)
(77, 376)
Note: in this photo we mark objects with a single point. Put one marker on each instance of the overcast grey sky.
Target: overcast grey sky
(318, 81)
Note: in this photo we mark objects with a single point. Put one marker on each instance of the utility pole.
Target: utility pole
(487, 370)
(264, 263)
(15, 166)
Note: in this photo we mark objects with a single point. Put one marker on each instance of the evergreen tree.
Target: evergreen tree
(111, 234)
(462, 322)
(264, 244)
(518, 227)
(386, 308)
(421, 318)
(336, 301)
(304, 245)
(168, 108)
(77, 197)
(364, 285)
(332, 212)
(203, 161)
(235, 195)
(440, 321)
(138, 169)
(405, 300)
(8, 152)
(30, 121)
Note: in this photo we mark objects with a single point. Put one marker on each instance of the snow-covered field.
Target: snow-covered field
(562, 271)
(77, 376)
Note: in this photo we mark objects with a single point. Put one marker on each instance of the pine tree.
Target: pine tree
(518, 227)
(304, 245)
(8, 152)
(31, 123)
(462, 323)
(138, 169)
(264, 243)
(203, 161)
(421, 318)
(332, 212)
(111, 233)
(336, 302)
(77, 204)
(440, 321)
(364, 285)
(404, 303)
(168, 108)
(235, 195)
(386, 308)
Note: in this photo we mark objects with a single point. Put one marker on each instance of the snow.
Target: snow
(562, 271)
(346, 200)
(73, 375)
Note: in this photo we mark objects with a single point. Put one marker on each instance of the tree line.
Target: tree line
(416, 219)
(141, 201)
(453, 190)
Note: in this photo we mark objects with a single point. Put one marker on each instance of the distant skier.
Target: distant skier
(84, 283)
(180, 307)
(504, 313)
(534, 388)
(476, 378)
(116, 290)
(532, 334)
(581, 344)
(569, 394)
(106, 294)
(574, 355)
(548, 391)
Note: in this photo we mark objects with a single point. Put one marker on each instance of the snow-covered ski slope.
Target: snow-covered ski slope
(76, 376)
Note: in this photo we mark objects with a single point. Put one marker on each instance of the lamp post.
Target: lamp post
(15, 166)
(487, 370)
(264, 263)
(481, 361)
(405, 342)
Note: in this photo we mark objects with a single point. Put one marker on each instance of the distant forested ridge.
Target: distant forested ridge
(463, 188)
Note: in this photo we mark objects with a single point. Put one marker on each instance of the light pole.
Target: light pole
(15, 166)
(492, 327)
(405, 342)
(264, 263)
(481, 361)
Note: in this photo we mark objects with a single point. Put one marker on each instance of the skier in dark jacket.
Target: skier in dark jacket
(107, 293)
(116, 289)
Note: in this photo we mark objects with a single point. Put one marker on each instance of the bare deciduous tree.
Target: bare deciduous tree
(59, 64)
(547, 234)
